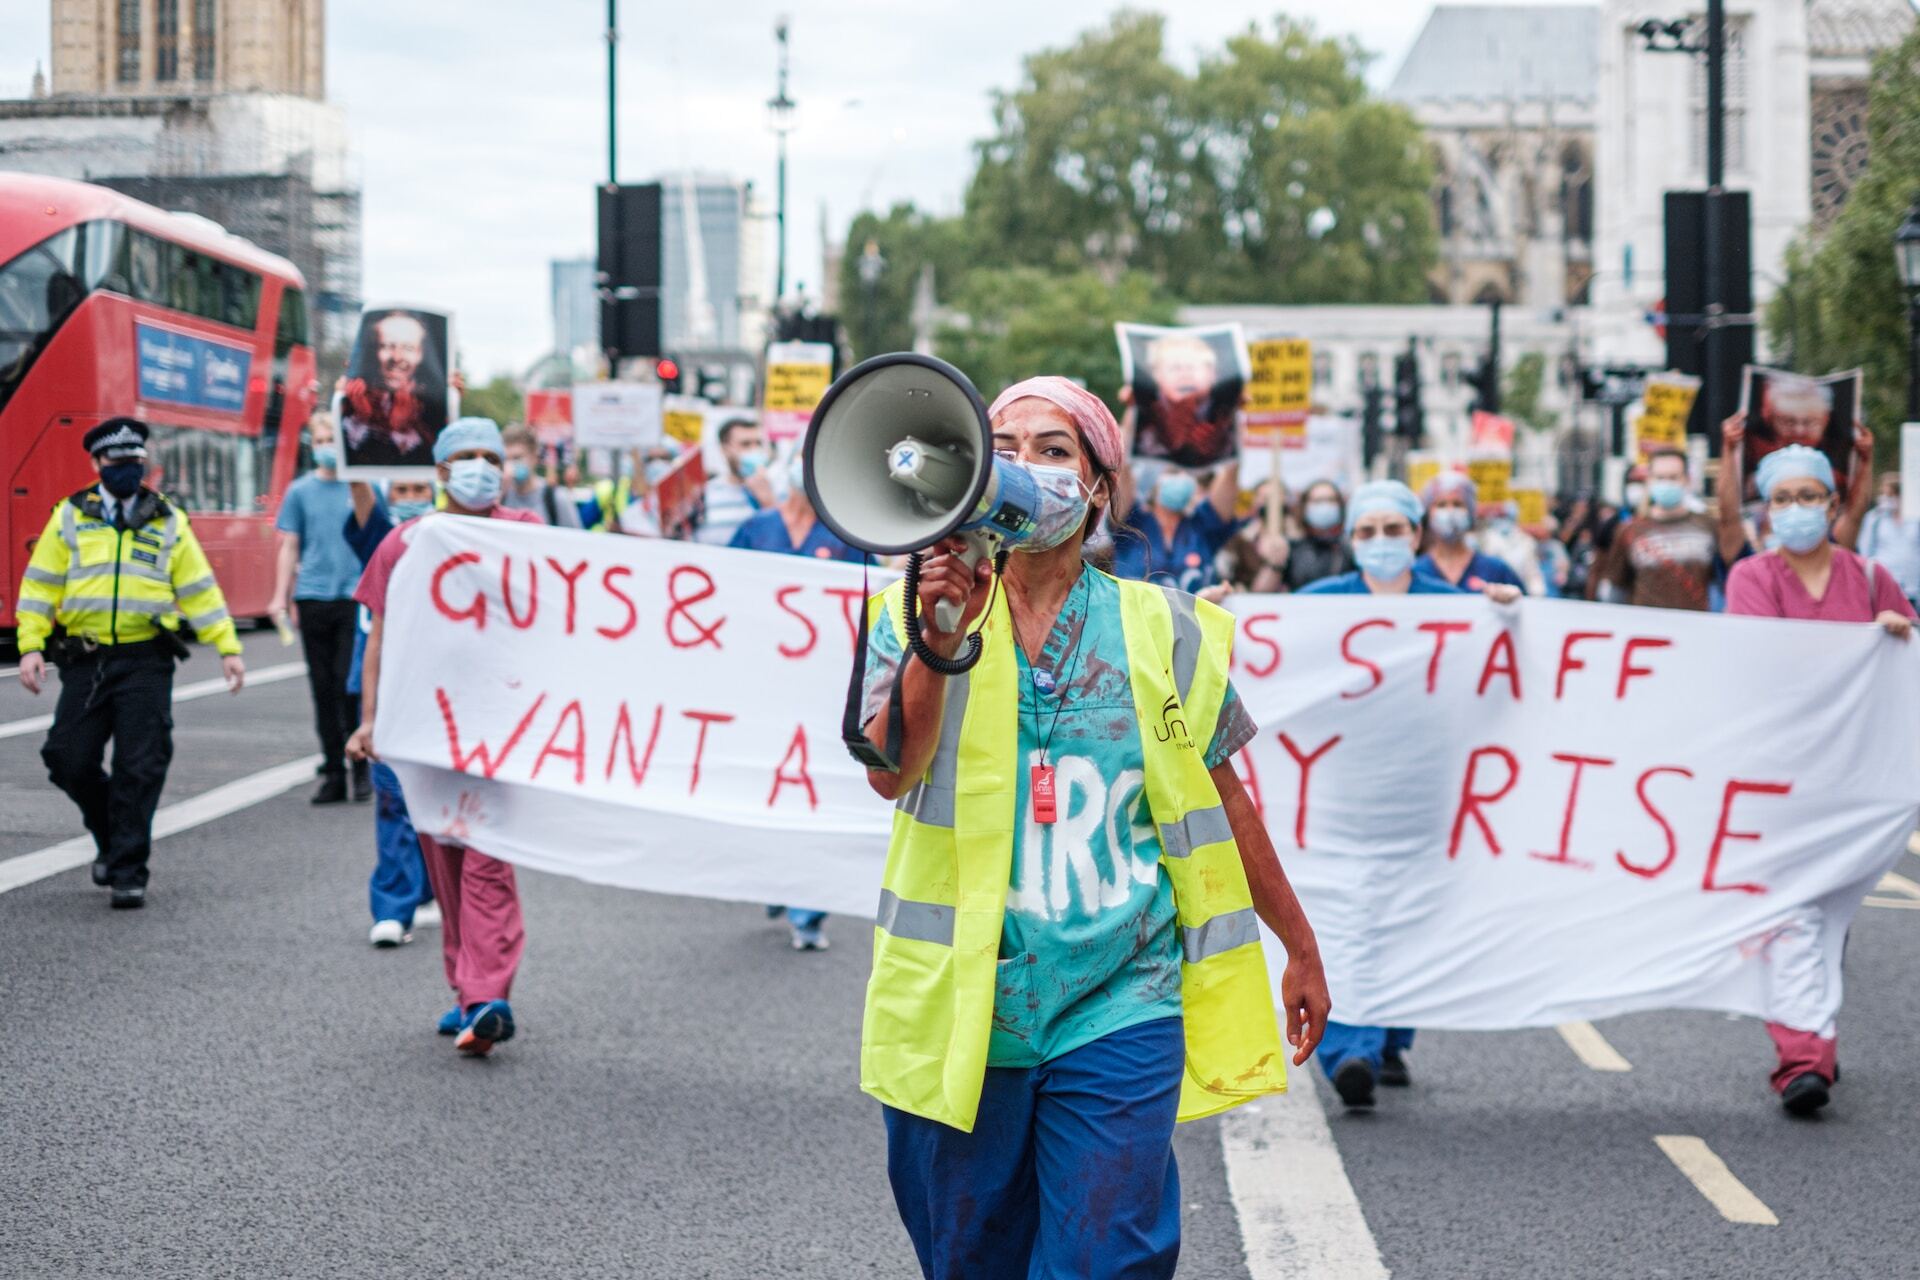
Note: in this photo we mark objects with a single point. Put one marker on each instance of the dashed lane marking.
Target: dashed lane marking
(231, 797)
(1711, 1178)
(1591, 1047)
(1298, 1213)
(183, 693)
(1895, 892)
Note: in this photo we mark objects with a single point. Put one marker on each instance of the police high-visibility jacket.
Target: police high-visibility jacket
(119, 586)
(613, 497)
(929, 1009)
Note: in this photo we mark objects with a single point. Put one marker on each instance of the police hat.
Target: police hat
(117, 439)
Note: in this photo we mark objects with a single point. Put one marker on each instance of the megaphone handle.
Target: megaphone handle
(948, 615)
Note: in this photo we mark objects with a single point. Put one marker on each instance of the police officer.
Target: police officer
(111, 569)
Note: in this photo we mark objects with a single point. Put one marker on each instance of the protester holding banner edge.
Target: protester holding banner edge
(1063, 1150)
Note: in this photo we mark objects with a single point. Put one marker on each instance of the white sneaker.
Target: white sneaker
(388, 933)
(427, 917)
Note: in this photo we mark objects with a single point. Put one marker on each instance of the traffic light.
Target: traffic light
(1485, 381)
(1373, 404)
(667, 370)
(1409, 414)
(629, 271)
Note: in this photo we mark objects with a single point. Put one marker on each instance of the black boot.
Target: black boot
(1353, 1081)
(131, 898)
(1393, 1071)
(100, 874)
(332, 789)
(362, 780)
(1805, 1094)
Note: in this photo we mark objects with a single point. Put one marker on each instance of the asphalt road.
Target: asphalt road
(232, 1083)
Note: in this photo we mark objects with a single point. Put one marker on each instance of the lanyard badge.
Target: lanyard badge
(1044, 808)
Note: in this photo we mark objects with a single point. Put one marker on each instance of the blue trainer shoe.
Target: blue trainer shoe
(450, 1022)
(486, 1025)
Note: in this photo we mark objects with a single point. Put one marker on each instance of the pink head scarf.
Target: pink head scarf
(1089, 413)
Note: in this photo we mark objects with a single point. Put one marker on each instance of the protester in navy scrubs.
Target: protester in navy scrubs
(1451, 502)
(1174, 538)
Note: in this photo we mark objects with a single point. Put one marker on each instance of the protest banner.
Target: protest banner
(550, 415)
(1785, 408)
(1187, 385)
(1495, 817)
(396, 397)
(683, 420)
(1666, 404)
(798, 374)
(616, 415)
(1279, 391)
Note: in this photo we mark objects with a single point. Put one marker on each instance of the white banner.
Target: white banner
(1496, 818)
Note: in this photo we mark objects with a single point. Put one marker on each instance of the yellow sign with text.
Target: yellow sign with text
(1492, 478)
(1280, 392)
(1667, 404)
(1421, 471)
(1532, 504)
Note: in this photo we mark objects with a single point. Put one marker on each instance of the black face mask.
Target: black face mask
(122, 479)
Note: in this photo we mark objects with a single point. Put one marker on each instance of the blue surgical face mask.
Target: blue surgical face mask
(1666, 494)
(522, 473)
(1801, 529)
(1323, 516)
(748, 463)
(1384, 559)
(1063, 506)
(405, 511)
(326, 457)
(474, 483)
(1450, 524)
(122, 479)
(1175, 490)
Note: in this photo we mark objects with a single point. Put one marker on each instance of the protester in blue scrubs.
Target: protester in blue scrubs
(1171, 538)
(1451, 502)
(1383, 524)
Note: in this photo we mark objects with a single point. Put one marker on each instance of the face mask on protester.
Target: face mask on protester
(1323, 516)
(1449, 524)
(1384, 558)
(1175, 491)
(522, 473)
(1636, 494)
(326, 457)
(1889, 502)
(1801, 529)
(474, 483)
(1666, 494)
(122, 479)
(749, 463)
(1064, 501)
(405, 511)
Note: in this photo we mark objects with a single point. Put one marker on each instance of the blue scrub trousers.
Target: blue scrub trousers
(1069, 1170)
(1343, 1041)
(399, 885)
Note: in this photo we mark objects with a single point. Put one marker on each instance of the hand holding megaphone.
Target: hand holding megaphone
(952, 586)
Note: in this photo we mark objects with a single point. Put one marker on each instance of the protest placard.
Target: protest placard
(616, 415)
(1666, 404)
(1187, 384)
(1492, 478)
(396, 397)
(1786, 408)
(1422, 467)
(798, 374)
(1279, 391)
(683, 420)
(1531, 506)
(1590, 793)
(550, 415)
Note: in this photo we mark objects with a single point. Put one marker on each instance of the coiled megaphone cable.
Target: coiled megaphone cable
(915, 641)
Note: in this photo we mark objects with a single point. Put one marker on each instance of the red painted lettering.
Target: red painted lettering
(489, 763)
(477, 610)
(623, 732)
(1723, 833)
(633, 614)
(705, 719)
(1627, 668)
(573, 583)
(1472, 800)
(1440, 630)
(1666, 828)
(800, 776)
(576, 753)
(1569, 663)
(533, 592)
(1501, 662)
(1579, 764)
(813, 633)
(1271, 645)
(1346, 651)
(680, 610)
(1305, 761)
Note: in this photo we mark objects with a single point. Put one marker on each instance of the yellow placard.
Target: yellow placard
(1420, 472)
(1492, 478)
(797, 388)
(683, 425)
(1668, 403)
(1532, 504)
(1280, 391)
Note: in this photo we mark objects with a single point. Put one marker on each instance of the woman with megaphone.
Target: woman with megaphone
(1067, 957)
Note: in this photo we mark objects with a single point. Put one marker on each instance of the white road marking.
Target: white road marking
(8, 671)
(196, 811)
(1894, 892)
(182, 693)
(1591, 1047)
(1711, 1178)
(1298, 1213)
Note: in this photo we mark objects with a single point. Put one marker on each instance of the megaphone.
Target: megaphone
(899, 457)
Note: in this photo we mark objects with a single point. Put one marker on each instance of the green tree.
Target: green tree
(907, 241)
(499, 399)
(1843, 304)
(1023, 321)
(1520, 392)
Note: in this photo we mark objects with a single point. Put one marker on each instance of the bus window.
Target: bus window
(239, 296)
(292, 329)
(106, 254)
(146, 267)
(38, 290)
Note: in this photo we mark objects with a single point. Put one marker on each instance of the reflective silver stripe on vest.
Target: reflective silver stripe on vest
(105, 604)
(931, 799)
(1187, 639)
(1222, 933)
(36, 574)
(192, 588)
(212, 618)
(42, 607)
(169, 535)
(69, 528)
(127, 568)
(1202, 826)
(919, 921)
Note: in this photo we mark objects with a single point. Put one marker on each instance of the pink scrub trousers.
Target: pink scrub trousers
(1800, 1052)
(481, 936)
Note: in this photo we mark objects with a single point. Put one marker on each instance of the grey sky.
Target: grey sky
(480, 125)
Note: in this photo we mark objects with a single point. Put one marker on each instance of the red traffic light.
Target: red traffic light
(666, 371)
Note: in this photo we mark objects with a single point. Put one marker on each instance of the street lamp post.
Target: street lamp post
(780, 118)
(871, 267)
(1906, 252)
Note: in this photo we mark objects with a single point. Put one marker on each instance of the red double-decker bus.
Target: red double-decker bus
(109, 306)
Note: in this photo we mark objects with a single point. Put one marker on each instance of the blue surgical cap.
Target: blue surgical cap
(466, 433)
(1794, 462)
(1383, 495)
(1448, 483)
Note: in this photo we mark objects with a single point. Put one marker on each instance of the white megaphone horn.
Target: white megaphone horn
(898, 458)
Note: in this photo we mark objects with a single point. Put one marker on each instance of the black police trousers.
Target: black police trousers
(124, 693)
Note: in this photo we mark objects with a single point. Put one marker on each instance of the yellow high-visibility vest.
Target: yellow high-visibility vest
(120, 585)
(929, 1008)
(613, 498)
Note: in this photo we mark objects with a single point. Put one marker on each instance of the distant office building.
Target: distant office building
(576, 305)
(117, 47)
(712, 296)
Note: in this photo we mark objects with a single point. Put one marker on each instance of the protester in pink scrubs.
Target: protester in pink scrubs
(1809, 578)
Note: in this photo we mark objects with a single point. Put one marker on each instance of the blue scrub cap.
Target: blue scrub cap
(1795, 462)
(1383, 495)
(466, 433)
